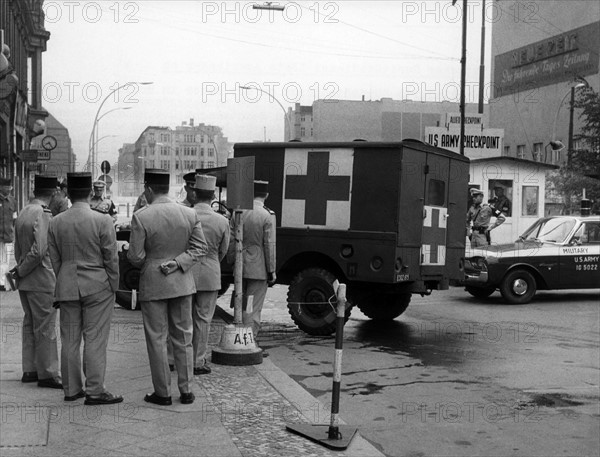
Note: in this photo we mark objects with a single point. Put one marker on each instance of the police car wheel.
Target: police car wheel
(480, 292)
(384, 307)
(309, 305)
(518, 287)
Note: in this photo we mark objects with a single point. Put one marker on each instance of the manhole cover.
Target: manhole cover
(24, 425)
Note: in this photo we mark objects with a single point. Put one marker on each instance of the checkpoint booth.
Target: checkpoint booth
(521, 181)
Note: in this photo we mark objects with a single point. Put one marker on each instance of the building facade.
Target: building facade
(379, 120)
(61, 160)
(179, 150)
(541, 52)
(23, 40)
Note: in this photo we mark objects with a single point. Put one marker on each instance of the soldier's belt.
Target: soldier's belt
(480, 229)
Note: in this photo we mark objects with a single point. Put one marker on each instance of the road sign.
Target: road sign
(43, 154)
(105, 167)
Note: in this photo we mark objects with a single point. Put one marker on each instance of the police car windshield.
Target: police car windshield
(550, 230)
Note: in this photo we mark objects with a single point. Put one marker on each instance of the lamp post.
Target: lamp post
(571, 92)
(97, 131)
(287, 118)
(92, 151)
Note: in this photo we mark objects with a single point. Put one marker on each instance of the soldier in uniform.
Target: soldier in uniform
(8, 214)
(59, 201)
(36, 282)
(258, 255)
(207, 272)
(166, 240)
(83, 251)
(100, 203)
(480, 215)
(501, 202)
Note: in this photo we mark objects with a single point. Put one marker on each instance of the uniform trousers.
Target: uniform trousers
(257, 289)
(203, 310)
(6, 250)
(170, 317)
(39, 346)
(87, 318)
(478, 240)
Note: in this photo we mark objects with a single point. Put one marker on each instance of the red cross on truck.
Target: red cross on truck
(386, 219)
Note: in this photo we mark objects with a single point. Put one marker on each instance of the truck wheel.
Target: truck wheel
(518, 287)
(384, 307)
(308, 302)
(480, 292)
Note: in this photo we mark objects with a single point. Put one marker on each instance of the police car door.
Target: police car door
(580, 260)
(435, 214)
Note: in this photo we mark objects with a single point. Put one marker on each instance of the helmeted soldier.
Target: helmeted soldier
(480, 215)
(36, 281)
(99, 202)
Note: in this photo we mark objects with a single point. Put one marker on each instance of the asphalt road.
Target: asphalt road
(456, 375)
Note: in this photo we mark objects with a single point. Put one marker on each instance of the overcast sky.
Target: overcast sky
(197, 54)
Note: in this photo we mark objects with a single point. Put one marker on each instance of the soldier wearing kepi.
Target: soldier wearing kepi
(36, 281)
(100, 203)
(258, 256)
(166, 240)
(480, 215)
(207, 272)
(83, 251)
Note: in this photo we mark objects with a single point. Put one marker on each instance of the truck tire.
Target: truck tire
(480, 292)
(384, 307)
(308, 297)
(518, 287)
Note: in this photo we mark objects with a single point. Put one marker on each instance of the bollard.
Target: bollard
(237, 345)
(333, 436)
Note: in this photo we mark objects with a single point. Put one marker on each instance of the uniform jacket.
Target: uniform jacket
(83, 251)
(103, 205)
(8, 207)
(258, 244)
(31, 249)
(482, 214)
(207, 272)
(163, 231)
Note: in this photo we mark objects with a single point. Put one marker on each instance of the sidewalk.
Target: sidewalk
(239, 411)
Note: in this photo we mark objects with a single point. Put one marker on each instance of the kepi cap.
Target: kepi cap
(156, 176)
(81, 180)
(261, 187)
(205, 182)
(476, 192)
(44, 182)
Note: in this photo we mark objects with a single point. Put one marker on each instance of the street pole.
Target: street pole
(570, 144)
(482, 59)
(463, 75)
(287, 118)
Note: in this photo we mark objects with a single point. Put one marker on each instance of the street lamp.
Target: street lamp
(555, 146)
(287, 118)
(97, 134)
(582, 83)
(92, 150)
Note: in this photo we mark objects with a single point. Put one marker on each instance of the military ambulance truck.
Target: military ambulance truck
(386, 219)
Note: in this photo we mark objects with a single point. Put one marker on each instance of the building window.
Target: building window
(537, 151)
(211, 164)
(529, 205)
(176, 165)
(436, 192)
(506, 150)
(201, 151)
(179, 179)
(302, 131)
(311, 132)
(211, 152)
(501, 195)
(521, 151)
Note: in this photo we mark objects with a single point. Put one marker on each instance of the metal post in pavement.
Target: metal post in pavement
(333, 436)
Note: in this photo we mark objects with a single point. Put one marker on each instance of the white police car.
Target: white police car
(560, 252)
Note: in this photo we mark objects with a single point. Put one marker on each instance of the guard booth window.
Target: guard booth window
(436, 192)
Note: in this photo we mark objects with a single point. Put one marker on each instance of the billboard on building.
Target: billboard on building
(550, 61)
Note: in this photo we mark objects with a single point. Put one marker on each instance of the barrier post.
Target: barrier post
(333, 436)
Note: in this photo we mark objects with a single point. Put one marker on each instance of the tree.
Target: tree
(584, 172)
